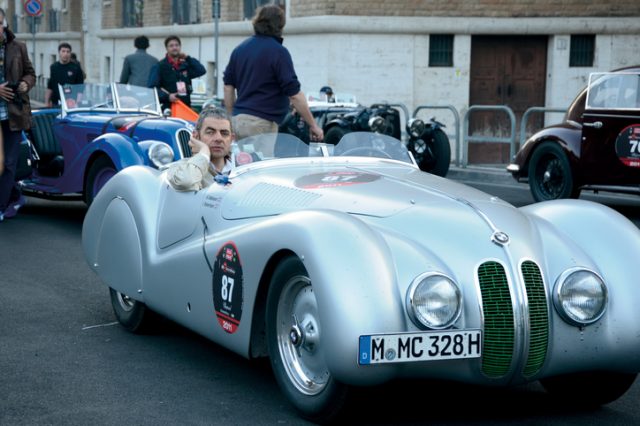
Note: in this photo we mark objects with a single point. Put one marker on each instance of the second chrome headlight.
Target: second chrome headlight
(433, 301)
(580, 296)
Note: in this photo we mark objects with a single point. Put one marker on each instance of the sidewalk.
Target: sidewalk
(489, 173)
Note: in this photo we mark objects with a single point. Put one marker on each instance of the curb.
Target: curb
(496, 174)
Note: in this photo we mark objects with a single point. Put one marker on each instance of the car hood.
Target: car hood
(368, 190)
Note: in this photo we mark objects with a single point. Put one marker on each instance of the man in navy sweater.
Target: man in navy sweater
(260, 81)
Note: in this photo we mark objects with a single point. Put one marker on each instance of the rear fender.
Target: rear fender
(117, 233)
(567, 138)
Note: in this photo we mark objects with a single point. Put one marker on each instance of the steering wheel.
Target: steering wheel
(128, 102)
(366, 151)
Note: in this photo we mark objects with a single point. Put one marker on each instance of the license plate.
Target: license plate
(423, 346)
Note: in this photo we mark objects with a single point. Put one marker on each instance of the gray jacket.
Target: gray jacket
(137, 67)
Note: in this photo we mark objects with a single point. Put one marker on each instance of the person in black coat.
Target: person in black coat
(173, 74)
(64, 71)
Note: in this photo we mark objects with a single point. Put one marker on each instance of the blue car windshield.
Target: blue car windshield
(109, 97)
(355, 144)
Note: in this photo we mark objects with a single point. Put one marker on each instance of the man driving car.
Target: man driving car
(211, 147)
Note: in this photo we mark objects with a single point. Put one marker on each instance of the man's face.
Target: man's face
(173, 48)
(216, 133)
(65, 55)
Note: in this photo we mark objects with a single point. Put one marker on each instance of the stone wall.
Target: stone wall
(467, 8)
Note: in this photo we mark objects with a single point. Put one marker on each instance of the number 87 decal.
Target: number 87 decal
(227, 288)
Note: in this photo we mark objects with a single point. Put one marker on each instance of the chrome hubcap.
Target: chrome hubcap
(125, 302)
(299, 342)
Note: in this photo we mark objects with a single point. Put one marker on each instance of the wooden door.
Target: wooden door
(505, 70)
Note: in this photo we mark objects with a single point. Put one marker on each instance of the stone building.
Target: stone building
(519, 53)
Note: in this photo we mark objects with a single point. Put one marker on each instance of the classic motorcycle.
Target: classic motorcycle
(427, 142)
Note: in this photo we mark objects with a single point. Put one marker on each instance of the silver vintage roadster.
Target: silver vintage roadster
(348, 266)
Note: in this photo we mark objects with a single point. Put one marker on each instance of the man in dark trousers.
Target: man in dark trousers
(65, 71)
(173, 74)
(261, 71)
(17, 77)
(137, 66)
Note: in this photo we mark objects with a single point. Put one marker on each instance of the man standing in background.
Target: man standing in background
(172, 75)
(137, 66)
(261, 71)
(62, 72)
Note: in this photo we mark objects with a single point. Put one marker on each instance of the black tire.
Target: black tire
(100, 172)
(334, 134)
(589, 390)
(432, 152)
(550, 174)
(131, 314)
(305, 380)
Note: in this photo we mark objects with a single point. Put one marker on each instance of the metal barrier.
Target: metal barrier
(456, 119)
(525, 117)
(38, 91)
(466, 139)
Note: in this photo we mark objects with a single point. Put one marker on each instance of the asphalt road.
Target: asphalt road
(64, 361)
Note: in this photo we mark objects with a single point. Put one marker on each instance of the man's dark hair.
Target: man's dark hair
(215, 112)
(141, 42)
(63, 45)
(269, 20)
(172, 37)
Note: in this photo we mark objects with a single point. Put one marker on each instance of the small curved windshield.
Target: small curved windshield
(282, 145)
(109, 97)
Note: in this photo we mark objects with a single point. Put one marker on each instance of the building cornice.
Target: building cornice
(62, 36)
(402, 25)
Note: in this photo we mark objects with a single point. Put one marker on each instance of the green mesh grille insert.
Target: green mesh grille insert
(498, 319)
(538, 318)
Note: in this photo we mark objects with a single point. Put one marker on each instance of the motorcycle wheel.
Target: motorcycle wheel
(334, 134)
(432, 151)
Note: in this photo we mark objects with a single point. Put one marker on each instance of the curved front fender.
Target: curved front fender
(122, 150)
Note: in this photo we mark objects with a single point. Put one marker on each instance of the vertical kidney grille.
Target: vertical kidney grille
(538, 318)
(498, 319)
(183, 142)
(499, 328)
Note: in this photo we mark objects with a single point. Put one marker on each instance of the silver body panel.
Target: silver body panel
(362, 245)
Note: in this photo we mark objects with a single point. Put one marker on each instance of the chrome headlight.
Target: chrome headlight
(415, 127)
(377, 124)
(160, 154)
(433, 301)
(580, 296)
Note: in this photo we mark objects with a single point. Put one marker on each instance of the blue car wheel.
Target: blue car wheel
(101, 171)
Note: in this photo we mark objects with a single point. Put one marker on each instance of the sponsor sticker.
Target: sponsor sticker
(627, 146)
(227, 288)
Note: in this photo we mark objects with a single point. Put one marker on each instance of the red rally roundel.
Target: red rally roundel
(628, 145)
(227, 287)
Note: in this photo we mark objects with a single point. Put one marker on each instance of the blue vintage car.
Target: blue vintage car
(70, 153)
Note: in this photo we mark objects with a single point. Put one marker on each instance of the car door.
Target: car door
(610, 152)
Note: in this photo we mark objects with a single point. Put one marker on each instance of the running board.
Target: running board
(51, 196)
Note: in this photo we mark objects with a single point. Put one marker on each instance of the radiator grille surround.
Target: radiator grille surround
(183, 137)
(499, 321)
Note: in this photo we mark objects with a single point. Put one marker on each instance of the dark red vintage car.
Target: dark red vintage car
(596, 147)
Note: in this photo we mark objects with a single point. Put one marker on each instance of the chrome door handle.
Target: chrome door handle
(597, 124)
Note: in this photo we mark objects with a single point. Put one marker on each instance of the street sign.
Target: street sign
(33, 7)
